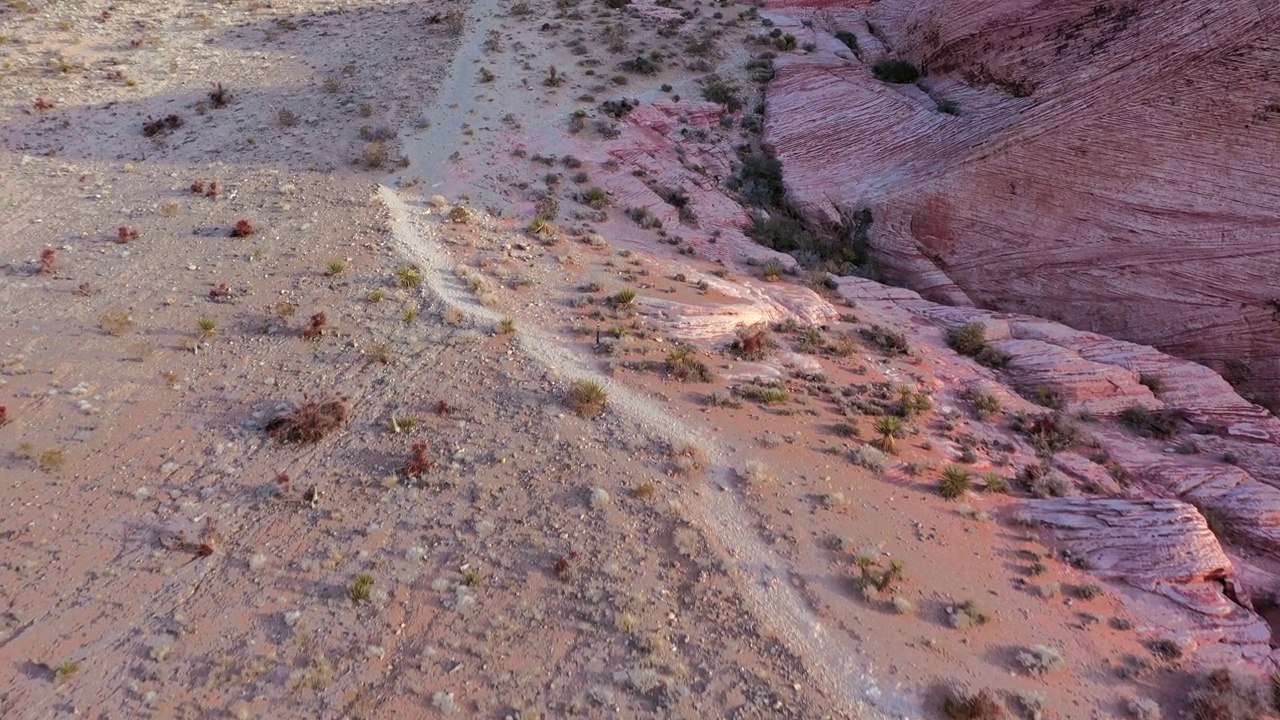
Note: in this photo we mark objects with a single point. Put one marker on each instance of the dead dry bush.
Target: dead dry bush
(310, 421)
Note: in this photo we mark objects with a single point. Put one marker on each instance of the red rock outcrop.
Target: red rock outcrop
(1111, 165)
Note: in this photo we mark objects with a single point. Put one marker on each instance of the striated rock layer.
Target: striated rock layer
(1111, 165)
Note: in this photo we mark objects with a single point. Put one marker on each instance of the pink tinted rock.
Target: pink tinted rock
(1164, 551)
(1086, 178)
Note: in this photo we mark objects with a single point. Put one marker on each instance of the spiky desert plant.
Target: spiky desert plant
(587, 397)
(955, 482)
(335, 268)
(889, 428)
(623, 299)
(408, 276)
(361, 587)
(506, 326)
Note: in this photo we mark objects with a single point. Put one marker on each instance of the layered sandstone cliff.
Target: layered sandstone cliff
(1111, 165)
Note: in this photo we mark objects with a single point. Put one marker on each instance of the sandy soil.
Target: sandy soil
(690, 552)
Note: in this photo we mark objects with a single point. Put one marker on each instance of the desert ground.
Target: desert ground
(581, 448)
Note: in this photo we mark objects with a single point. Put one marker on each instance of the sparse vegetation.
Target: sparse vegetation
(335, 268)
(889, 428)
(243, 229)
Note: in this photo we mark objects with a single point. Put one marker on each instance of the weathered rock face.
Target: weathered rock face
(1179, 576)
(1111, 165)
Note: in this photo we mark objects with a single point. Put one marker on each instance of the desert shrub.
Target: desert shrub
(780, 232)
(1151, 382)
(869, 458)
(758, 179)
(848, 39)
(717, 90)
(896, 71)
(960, 704)
(310, 421)
(1158, 424)
(1165, 648)
(1040, 659)
(985, 405)
(764, 394)
(889, 342)
(875, 576)
(1223, 695)
(1050, 432)
(753, 342)
(955, 482)
(949, 107)
(639, 65)
(992, 482)
(1043, 481)
(682, 363)
(968, 339)
(587, 398)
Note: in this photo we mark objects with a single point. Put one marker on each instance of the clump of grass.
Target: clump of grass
(985, 405)
(587, 398)
(772, 271)
(52, 460)
(542, 227)
(965, 615)
(335, 268)
(764, 394)
(595, 198)
(380, 353)
(377, 296)
(875, 577)
(682, 363)
(993, 482)
(889, 341)
(623, 299)
(955, 482)
(309, 422)
(1088, 591)
(506, 326)
(207, 326)
(361, 587)
(66, 670)
(408, 276)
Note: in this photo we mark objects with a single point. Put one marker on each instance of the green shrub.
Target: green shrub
(968, 339)
(361, 587)
(718, 91)
(848, 39)
(896, 71)
(1158, 424)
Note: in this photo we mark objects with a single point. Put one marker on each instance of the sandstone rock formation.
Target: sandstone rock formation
(1178, 575)
(1109, 165)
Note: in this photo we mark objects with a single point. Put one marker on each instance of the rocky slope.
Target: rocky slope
(1102, 164)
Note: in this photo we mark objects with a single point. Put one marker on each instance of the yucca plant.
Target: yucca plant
(955, 482)
(889, 428)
